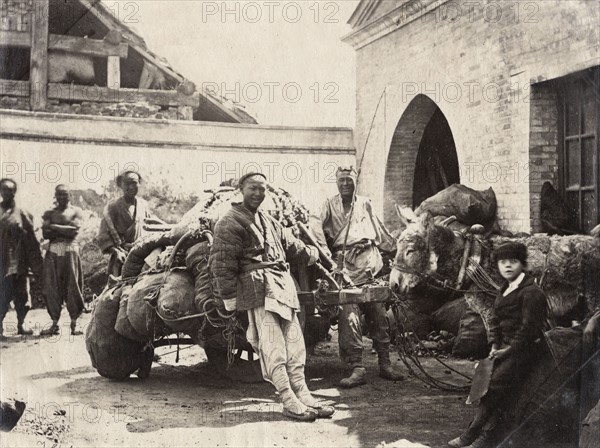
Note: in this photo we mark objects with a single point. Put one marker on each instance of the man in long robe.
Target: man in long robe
(63, 273)
(122, 222)
(362, 236)
(19, 251)
(248, 262)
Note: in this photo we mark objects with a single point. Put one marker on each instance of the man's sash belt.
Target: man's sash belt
(276, 265)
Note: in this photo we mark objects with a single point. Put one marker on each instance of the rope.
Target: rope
(407, 355)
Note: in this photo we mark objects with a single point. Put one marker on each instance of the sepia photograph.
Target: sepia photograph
(300, 223)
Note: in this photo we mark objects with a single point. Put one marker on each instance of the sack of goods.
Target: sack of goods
(176, 307)
(468, 205)
(113, 355)
(140, 308)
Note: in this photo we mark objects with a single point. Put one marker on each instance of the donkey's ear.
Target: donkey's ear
(425, 220)
(402, 221)
(406, 213)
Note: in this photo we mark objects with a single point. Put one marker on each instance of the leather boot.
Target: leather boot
(491, 434)
(357, 378)
(386, 370)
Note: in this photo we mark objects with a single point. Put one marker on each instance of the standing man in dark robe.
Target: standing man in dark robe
(19, 251)
(362, 235)
(248, 262)
(63, 273)
(122, 222)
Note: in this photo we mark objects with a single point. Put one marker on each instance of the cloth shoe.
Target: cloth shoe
(310, 415)
(324, 411)
(465, 439)
(357, 378)
(53, 330)
(74, 331)
(303, 393)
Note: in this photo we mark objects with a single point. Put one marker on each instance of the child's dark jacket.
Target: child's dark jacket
(517, 320)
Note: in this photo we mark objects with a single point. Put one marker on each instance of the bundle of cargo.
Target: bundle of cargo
(566, 267)
(165, 288)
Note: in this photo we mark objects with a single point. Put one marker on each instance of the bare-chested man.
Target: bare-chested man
(63, 274)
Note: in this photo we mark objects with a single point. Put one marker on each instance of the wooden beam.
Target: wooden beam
(147, 76)
(74, 92)
(347, 296)
(71, 44)
(91, 47)
(38, 69)
(113, 72)
(14, 88)
(18, 39)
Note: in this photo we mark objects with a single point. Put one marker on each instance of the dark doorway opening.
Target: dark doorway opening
(436, 166)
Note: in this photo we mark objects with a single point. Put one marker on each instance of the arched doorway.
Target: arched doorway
(422, 159)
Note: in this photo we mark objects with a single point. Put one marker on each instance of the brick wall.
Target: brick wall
(543, 146)
(478, 67)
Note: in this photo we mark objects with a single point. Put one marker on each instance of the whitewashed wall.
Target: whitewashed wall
(41, 150)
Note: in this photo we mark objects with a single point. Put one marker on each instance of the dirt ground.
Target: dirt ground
(190, 404)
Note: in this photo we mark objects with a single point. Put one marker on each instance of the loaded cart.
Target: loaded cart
(164, 296)
(172, 304)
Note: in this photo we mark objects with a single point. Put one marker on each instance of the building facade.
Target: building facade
(485, 93)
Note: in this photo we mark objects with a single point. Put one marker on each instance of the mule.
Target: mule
(453, 258)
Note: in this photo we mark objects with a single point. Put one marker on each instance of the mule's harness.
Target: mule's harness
(470, 266)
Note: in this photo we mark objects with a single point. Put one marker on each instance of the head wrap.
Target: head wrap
(249, 175)
(511, 251)
(346, 172)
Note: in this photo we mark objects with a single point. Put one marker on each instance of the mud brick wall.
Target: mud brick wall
(481, 63)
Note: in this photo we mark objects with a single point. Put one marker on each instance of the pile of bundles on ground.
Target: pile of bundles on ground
(173, 294)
